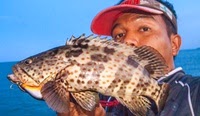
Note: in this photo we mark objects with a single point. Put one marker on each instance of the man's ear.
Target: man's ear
(176, 43)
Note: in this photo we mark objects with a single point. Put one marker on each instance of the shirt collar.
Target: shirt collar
(169, 75)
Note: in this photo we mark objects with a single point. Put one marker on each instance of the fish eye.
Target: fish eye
(28, 61)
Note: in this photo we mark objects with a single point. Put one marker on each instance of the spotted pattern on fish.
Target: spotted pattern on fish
(99, 58)
(132, 62)
(86, 66)
(109, 50)
(74, 53)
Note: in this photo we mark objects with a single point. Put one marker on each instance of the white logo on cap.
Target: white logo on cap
(147, 1)
(166, 10)
(144, 2)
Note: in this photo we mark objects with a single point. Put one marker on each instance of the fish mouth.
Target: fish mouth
(17, 76)
(29, 86)
(12, 78)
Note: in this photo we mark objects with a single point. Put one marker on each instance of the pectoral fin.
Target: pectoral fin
(86, 99)
(56, 96)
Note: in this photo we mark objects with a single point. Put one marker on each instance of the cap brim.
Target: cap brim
(103, 21)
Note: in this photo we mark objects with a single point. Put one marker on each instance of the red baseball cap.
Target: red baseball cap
(103, 21)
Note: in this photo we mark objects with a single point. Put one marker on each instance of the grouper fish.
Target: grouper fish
(87, 66)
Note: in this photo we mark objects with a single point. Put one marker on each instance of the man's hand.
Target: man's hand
(76, 110)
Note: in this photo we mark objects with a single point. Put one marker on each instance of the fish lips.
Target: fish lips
(12, 78)
(31, 90)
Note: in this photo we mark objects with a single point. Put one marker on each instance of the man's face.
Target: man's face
(144, 29)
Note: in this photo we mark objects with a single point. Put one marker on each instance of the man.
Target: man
(152, 23)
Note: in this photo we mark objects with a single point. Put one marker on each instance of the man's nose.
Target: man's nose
(131, 40)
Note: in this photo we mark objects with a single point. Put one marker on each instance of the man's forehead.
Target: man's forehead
(134, 16)
(148, 16)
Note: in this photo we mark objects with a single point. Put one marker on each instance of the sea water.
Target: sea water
(14, 102)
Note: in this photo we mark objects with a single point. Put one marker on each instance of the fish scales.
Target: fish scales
(86, 66)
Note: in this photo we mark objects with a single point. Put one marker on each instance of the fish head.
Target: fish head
(33, 72)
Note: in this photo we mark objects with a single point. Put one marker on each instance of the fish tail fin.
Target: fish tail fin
(162, 96)
(56, 97)
(138, 105)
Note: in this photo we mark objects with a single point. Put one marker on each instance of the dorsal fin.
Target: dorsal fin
(75, 41)
(68, 40)
(152, 61)
(97, 40)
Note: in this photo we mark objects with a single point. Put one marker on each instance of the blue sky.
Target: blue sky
(28, 27)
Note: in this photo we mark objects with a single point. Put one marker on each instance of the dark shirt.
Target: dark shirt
(182, 100)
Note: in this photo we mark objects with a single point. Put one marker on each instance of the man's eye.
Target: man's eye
(144, 29)
(119, 36)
